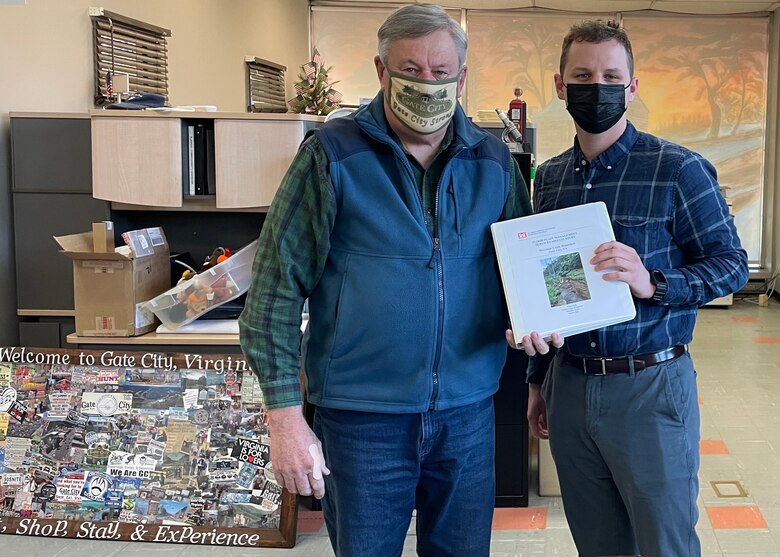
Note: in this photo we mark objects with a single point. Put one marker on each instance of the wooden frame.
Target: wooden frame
(137, 446)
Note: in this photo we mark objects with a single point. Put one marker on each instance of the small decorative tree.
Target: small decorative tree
(315, 93)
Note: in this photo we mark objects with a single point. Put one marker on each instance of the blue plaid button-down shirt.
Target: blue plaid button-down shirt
(665, 202)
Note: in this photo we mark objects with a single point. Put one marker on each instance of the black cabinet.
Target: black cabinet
(45, 332)
(44, 277)
(52, 196)
(511, 402)
(196, 233)
(51, 154)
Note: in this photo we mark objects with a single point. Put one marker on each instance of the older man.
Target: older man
(382, 222)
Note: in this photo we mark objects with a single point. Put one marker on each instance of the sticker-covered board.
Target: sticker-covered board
(137, 446)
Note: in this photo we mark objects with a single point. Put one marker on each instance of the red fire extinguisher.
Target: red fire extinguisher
(517, 111)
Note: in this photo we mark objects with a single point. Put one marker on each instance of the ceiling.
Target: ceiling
(587, 6)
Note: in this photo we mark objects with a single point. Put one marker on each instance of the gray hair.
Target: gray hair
(418, 20)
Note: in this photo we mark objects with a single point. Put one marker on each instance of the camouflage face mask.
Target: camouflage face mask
(423, 106)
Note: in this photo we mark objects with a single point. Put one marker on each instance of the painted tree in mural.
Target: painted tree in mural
(746, 96)
(727, 65)
(315, 92)
(529, 51)
(701, 59)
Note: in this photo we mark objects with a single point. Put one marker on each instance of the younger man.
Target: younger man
(620, 402)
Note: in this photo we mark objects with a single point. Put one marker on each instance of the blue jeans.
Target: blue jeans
(626, 447)
(385, 465)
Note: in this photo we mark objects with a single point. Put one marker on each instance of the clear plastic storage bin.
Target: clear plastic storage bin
(213, 287)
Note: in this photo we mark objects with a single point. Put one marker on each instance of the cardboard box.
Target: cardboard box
(548, 475)
(111, 288)
(103, 236)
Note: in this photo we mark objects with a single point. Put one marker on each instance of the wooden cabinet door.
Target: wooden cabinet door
(137, 160)
(252, 157)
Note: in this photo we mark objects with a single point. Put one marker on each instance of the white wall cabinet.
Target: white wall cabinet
(137, 158)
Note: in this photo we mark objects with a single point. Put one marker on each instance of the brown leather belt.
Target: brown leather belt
(603, 366)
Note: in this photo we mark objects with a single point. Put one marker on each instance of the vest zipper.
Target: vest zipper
(437, 262)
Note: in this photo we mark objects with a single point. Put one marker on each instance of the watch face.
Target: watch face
(658, 279)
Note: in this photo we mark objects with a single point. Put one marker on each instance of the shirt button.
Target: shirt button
(583, 162)
(593, 345)
(428, 211)
(588, 186)
(609, 167)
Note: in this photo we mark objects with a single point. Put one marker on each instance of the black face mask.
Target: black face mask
(595, 107)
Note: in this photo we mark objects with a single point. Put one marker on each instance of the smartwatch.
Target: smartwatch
(661, 287)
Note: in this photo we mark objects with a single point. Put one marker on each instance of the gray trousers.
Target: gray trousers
(626, 447)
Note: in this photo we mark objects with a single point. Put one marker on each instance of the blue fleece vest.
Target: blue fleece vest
(400, 321)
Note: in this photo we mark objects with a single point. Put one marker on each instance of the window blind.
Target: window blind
(265, 86)
(128, 46)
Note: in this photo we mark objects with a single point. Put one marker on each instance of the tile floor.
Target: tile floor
(737, 354)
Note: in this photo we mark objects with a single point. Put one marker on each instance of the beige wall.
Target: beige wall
(46, 48)
(46, 65)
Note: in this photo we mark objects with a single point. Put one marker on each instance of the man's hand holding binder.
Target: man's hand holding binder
(534, 344)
